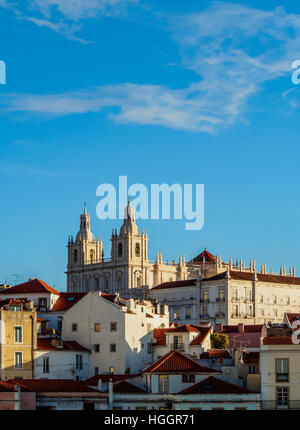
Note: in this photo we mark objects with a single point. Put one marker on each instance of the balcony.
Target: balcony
(178, 346)
(204, 300)
(220, 299)
(282, 377)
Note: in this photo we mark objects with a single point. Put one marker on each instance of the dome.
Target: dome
(129, 224)
(85, 230)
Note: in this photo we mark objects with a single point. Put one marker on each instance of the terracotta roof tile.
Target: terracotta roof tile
(6, 386)
(208, 257)
(127, 387)
(293, 317)
(159, 335)
(45, 344)
(216, 353)
(264, 277)
(198, 340)
(284, 340)
(176, 362)
(212, 385)
(52, 385)
(66, 301)
(32, 286)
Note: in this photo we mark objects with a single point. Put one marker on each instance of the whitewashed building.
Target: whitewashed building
(58, 359)
(118, 332)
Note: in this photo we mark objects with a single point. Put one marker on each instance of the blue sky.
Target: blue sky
(162, 92)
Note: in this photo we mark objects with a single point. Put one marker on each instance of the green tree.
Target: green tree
(219, 341)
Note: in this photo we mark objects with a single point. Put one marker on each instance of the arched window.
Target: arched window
(75, 256)
(120, 250)
(137, 249)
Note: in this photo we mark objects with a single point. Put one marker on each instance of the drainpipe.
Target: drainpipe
(110, 394)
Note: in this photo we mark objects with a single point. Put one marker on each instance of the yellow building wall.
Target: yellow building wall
(10, 319)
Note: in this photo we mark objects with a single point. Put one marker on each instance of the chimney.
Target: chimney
(219, 328)
(99, 384)
(57, 343)
(241, 327)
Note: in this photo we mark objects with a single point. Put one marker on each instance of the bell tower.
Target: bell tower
(130, 248)
(84, 250)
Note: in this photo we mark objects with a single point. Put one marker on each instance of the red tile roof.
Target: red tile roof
(188, 282)
(6, 386)
(66, 301)
(250, 357)
(44, 344)
(52, 385)
(32, 286)
(126, 387)
(208, 257)
(216, 353)
(284, 340)
(176, 284)
(93, 381)
(176, 362)
(262, 277)
(212, 385)
(293, 317)
(159, 335)
(184, 328)
(198, 340)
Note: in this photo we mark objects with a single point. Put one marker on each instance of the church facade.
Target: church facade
(128, 271)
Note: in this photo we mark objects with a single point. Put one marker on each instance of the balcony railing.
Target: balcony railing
(282, 377)
(178, 346)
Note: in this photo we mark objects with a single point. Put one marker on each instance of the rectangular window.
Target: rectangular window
(111, 370)
(79, 362)
(113, 326)
(46, 365)
(282, 370)
(149, 348)
(221, 294)
(204, 311)
(235, 310)
(18, 334)
(163, 383)
(18, 360)
(97, 327)
(113, 347)
(234, 295)
(205, 296)
(96, 370)
(74, 326)
(42, 303)
(185, 378)
(188, 313)
(97, 348)
(282, 397)
(15, 308)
